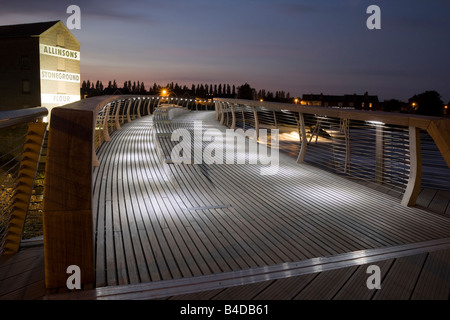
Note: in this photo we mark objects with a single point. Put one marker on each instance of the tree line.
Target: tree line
(205, 91)
(425, 103)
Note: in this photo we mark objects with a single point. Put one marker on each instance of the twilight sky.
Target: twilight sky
(302, 46)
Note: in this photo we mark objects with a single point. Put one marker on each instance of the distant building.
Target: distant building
(39, 65)
(348, 101)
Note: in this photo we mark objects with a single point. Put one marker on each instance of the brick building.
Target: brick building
(39, 65)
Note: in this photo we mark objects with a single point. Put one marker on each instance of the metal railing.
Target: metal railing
(399, 151)
(79, 129)
(22, 134)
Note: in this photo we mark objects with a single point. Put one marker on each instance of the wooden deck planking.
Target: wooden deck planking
(199, 210)
(243, 292)
(162, 222)
(434, 281)
(203, 222)
(317, 203)
(286, 289)
(440, 202)
(400, 281)
(248, 228)
(423, 276)
(326, 285)
(22, 275)
(356, 287)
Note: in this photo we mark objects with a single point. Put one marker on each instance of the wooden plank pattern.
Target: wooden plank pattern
(400, 281)
(22, 275)
(156, 221)
(170, 221)
(423, 277)
(434, 281)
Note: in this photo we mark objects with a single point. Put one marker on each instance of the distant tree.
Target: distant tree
(246, 92)
(155, 88)
(234, 91)
(392, 105)
(114, 84)
(142, 89)
(427, 103)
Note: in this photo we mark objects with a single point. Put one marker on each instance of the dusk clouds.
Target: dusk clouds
(296, 46)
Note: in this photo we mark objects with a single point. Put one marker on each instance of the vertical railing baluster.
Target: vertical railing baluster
(379, 153)
(302, 153)
(415, 168)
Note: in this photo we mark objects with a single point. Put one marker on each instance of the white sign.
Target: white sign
(60, 76)
(59, 98)
(59, 52)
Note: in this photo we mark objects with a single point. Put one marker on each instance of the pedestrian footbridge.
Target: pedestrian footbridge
(346, 189)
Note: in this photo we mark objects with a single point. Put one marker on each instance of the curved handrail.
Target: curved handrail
(11, 118)
(438, 128)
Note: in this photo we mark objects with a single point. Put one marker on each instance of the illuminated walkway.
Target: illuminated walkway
(158, 221)
(226, 232)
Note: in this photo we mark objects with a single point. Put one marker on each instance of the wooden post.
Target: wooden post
(139, 108)
(222, 115)
(25, 181)
(379, 153)
(68, 221)
(117, 120)
(415, 169)
(346, 124)
(233, 123)
(128, 110)
(106, 136)
(255, 115)
(302, 153)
